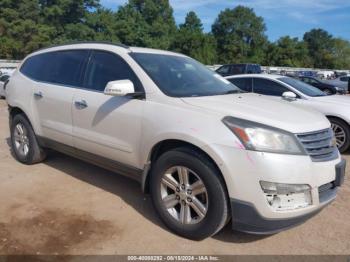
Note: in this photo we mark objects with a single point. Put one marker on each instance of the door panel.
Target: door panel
(108, 126)
(52, 105)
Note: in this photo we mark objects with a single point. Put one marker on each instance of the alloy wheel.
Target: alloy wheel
(339, 134)
(21, 140)
(327, 92)
(184, 195)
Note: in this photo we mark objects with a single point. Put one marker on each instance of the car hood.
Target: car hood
(338, 100)
(264, 110)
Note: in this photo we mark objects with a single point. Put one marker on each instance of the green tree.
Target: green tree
(191, 40)
(320, 45)
(131, 27)
(103, 23)
(26, 25)
(288, 51)
(62, 12)
(240, 35)
(21, 29)
(147, 23)
(341, 53)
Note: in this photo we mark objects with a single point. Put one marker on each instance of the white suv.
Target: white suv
(205, 152)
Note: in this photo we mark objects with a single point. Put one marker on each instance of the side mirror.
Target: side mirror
(119, 88)
(289, 96)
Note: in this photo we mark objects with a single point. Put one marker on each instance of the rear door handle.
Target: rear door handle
(81, 104)
(38, 95)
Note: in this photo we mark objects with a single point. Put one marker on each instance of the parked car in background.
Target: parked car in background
(7, 71)
(3, 80)
(238, 69)
(342, 82)
(306, 73)
(205, 151)
(325, 74)
(327, 88)
(336, 108)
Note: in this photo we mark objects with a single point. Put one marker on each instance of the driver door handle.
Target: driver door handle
(81, 104)
(38, 94)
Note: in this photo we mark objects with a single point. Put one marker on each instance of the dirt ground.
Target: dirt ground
(65, 206)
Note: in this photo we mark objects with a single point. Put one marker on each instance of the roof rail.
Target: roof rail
(86, 42)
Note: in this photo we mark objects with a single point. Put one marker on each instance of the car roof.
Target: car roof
(104, 46)
(267, 76)
(240, 64)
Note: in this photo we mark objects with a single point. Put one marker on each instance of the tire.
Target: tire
(24, 144)
(328, 91)
(199, 168)
(341, 128)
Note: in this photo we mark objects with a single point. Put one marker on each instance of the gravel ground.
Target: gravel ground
(65, 206)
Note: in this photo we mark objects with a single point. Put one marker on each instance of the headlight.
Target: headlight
(259, 137)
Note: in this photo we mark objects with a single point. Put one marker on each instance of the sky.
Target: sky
(282, 17)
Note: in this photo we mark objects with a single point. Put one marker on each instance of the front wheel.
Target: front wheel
(342, 134)
(189, 194)
(328, 91)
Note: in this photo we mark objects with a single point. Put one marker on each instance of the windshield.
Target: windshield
(179, 76)
(302, 87)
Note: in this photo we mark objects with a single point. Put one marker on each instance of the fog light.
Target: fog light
(283, 197)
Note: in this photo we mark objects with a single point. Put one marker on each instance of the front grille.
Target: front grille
(319, 145)
(327, 192)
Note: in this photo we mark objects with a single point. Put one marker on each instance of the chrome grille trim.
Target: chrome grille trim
(318, 145)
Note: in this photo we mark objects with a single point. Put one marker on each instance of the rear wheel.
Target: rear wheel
(327, 91)
(342, 134)
(189, 194)
(24, 143)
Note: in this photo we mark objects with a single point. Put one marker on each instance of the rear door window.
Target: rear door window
(268, 87)
(243, 83)
(67, 67)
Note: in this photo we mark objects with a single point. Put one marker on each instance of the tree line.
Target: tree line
(238, 35)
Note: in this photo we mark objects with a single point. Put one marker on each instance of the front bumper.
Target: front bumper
(243, 170)
(246, 218)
